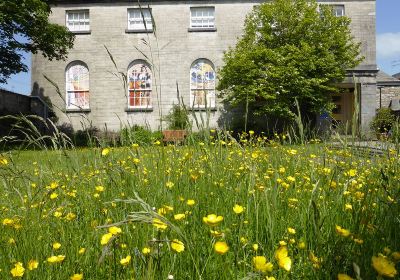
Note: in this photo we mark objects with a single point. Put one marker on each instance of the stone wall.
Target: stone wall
(387, 94)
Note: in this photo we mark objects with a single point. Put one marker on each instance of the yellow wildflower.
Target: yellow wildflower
(190, 202)
(56, 259)
(106, 238)
(221, 247)
(177, 246)
(158, 224)
(260, 264)
(343, 232)
(238, 209)
(291, 230)
(114, 230)
(81, 251)
(33, 264)
(146, 250)
(18, 270)
(383, 266)
(105, 152)
(76, 276)
(179, 217)
(56, 245)
(125, 261)
(212, 219)
(284, 260)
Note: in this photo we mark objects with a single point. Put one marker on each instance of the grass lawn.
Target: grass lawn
(223, 211)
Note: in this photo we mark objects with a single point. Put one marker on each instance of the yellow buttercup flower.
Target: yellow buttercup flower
(146, 250)
(33, 264)
(212, 219)
(105, 152)
(125, 261)
(8, 222)
(18, 270)
(177, 246)
(291, 230)
(158, 224)
(106, 238)
(284, 260)
(81, 251)
(56, 259)
(221, 247)
(3, 161)
(76, 276)
(56, 245)
(179, 217)
(260, 264)
(383, 266)
(343, 232)
(238, 209)
(190, 202)
(342, 276)
(114, 230)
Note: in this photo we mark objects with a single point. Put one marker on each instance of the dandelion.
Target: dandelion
(33, 264)
(76, 276)
(212, 219)
(220, 247)
(238, 209)
(384, 267)
(177, 246)
(18, 270)
(125, 261)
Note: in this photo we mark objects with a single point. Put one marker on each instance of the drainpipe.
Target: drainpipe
(380, 98)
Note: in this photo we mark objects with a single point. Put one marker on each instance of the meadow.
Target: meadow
(255, 209)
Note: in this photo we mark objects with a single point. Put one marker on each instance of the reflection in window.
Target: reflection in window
(77, 84)
(202, 84)
(139, 85)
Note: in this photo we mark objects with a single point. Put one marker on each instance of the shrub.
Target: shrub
(383, 120)
(178, 118)
(139, 135)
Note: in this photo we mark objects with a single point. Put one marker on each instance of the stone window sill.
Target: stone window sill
(78, 110)
(202, 29)
(213, 109)
(138, 30)
(132, 109)
(86, 32)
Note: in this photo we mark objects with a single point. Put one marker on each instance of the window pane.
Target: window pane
(202, 84)
(135, 19)
(77, 79)
(202, 17)
(140, 85)
(78, 20)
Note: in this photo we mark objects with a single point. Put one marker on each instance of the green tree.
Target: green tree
(291, 50)
(24, 27)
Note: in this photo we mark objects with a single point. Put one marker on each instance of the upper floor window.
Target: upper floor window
(139, 85)
(77, 85)
(202, 17)
(78, 20)
(202, 84)
(137, 19)
(338, 10)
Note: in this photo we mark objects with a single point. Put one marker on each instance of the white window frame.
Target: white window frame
(145, 93)
(202, 17)
(80, 21)
(135, 19)
(72, 94)
(338, 10)
(210, 97)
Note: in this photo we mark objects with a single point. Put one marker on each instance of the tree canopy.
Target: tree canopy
(291, 50)
(25, 27)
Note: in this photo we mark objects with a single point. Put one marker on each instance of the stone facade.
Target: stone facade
(388, 88)
(174, 48)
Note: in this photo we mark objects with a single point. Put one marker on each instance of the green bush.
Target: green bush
(178, 118)
(138, 135)
(383, 120)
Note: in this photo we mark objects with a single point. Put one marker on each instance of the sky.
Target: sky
(387, 44)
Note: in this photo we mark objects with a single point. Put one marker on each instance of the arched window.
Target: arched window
(202, 84)
(139, 85)
(77, 84)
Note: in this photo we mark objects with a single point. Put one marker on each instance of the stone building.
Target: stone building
(175, 58)
(388, 88)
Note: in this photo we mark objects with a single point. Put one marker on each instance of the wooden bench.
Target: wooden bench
(176, 136)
